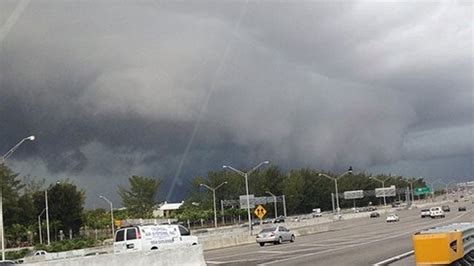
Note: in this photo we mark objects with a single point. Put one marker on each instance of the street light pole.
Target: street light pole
(39, 226)
(111, 214)
(4, 158)
(246, 175)
(384, 192)
(335, 187)
(274, 202)
(214, 198)
(411, 188)
(47, 215)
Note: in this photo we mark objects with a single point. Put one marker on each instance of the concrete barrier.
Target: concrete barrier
(222, 241)
(192, 256)
(445, 245)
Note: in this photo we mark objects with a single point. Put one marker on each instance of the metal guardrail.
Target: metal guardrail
(450, 244)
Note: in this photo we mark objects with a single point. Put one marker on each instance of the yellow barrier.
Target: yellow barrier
(438, 248)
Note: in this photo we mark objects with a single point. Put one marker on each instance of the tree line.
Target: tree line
(304, 190)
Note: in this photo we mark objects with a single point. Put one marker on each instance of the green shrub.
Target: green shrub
(66, 245)
(14, 255)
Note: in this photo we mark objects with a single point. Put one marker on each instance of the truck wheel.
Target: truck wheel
(292, 238)
(280, 240)
(261, 244)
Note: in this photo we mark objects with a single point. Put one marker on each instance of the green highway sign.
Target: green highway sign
(422, 190)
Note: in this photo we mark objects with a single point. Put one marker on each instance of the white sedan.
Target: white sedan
(392, 218)
(275, 235)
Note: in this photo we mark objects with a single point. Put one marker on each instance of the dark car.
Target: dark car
(456, 200)
(371, 208)
(279, 219)
(374, 215)
(462, 209)
(446, 208)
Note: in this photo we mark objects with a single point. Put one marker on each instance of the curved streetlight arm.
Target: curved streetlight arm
(325, 175)
(206, 186)
(256, 167)
(268, 192)
(223, 183)
(42, 212)
(345, 173)
(12, 150)
(233, 169)
(213, 189)
(104, 198)
(375, 178)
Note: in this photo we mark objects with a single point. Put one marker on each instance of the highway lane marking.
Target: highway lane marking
(274, 251)
(395, 258)
(347, 245)
(328, 245)
(351, 246)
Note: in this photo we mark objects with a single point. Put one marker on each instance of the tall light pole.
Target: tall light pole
(410, 182)
(246, 175)
(274, 202)
(349, 171)
(431, 184)
(111, 214)
(384, 192)
(47, 216)
(4, 158)
(214, 198)
(39, 226)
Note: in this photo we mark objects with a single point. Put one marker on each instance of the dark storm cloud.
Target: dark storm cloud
(115, 88)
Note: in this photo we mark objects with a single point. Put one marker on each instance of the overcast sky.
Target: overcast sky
(173, 89)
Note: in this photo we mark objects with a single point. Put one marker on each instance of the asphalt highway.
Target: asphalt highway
(363, 241)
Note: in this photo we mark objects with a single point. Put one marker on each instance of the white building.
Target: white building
(166, 209)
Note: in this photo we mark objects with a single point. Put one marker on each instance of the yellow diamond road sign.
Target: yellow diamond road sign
(260, 211)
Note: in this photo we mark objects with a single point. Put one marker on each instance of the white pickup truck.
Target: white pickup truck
(436, 212)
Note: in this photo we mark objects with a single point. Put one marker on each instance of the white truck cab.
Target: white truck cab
(436, 212)
(151, 237)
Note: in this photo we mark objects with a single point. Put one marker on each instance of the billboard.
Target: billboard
(388, 192)
(353, 194)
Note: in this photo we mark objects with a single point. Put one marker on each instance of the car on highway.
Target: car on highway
(456, 200)
(371, 208)
(374, 215)
(279, 219)
(436, 212)
(317, 212)
(151, 237)
(425, 213)
(275, 235)
(446, 208)
(391, 218)
(396, 204)
(462, 209)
